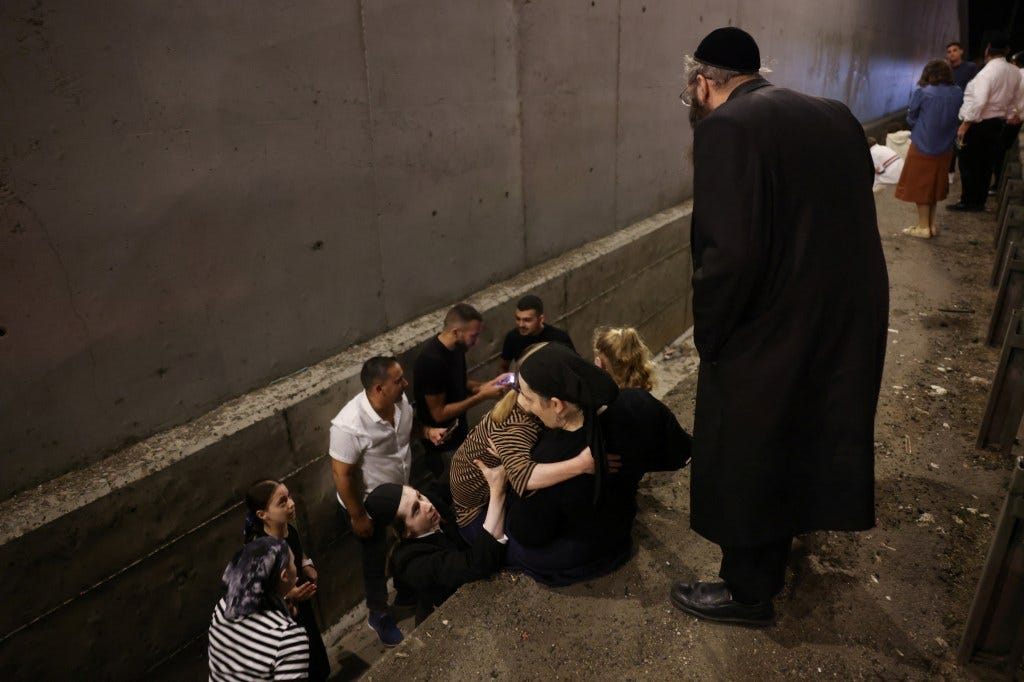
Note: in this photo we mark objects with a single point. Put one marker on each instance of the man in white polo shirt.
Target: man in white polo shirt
(370, 446)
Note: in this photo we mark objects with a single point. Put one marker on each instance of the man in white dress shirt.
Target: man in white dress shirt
(370, 446)
(989, 100)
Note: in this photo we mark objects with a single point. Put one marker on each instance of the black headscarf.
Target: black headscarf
(556, 371)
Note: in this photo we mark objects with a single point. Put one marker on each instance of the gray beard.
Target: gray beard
(698, 112)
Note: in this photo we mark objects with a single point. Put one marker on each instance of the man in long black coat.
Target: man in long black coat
(790, 301)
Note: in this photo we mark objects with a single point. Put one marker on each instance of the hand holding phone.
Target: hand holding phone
(451, 429)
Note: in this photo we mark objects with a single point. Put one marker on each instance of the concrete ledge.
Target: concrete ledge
(136, 543)
(879, 127)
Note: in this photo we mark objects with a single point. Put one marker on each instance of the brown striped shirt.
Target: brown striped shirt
(514, 439)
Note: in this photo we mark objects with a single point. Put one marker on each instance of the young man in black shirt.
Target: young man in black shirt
(530, 329)
(442, 390)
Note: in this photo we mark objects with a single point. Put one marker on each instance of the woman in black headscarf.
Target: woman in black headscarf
(581, 528)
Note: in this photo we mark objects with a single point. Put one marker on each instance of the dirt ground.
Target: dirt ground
(885, 604)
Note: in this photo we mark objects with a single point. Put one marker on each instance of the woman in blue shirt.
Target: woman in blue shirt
(933, 121)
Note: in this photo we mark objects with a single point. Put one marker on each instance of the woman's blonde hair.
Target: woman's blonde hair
(628, 355)
(502, 410)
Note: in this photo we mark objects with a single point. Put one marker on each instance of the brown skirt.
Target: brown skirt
(924, 179)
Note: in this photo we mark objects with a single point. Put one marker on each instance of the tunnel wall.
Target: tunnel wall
(202, 196)
(137, 542)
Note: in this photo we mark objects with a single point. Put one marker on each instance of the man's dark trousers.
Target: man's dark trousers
(755, 574)
(977, 160)
(374, 551)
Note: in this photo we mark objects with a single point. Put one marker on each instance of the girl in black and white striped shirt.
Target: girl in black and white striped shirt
(252, 634)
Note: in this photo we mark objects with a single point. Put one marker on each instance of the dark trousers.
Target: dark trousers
(982, 145)
(374, 551)
(439, 463)
(755, 574)
(1006, 140)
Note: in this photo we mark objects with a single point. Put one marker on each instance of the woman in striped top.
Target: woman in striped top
(505, 437)
(252, 634)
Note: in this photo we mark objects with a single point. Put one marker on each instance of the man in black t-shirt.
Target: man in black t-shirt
(530, 329)
(441, 388)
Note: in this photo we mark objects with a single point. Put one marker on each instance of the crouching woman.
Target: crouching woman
(431, 557)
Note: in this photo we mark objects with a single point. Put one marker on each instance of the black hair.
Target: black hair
(256, 499)
(997, 42)
(375, 370)
(460, 314)
(955, 42)
(531, 302)
(253, 576)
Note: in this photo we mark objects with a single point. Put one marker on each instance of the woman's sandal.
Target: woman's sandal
(916, 231)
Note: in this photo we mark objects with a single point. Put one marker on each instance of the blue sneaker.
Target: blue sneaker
(381, 623)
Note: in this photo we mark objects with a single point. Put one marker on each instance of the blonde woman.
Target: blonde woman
(621, 352)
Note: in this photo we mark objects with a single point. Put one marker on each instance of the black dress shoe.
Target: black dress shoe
(965, 208)
(714, 602)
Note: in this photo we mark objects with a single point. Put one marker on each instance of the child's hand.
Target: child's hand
(302, 592)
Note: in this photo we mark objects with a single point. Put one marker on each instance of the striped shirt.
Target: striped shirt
(514, 439)
(261, 646)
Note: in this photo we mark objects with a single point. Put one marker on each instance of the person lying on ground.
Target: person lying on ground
(431, 557)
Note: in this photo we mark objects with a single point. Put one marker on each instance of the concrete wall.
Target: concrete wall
(201, 196)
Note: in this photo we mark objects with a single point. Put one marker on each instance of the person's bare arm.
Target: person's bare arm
(494, 521)
(547, 474)
(441, 412)
(435, 434)
(348, 482)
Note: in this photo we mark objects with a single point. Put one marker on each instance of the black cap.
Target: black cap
(382, 503)
(729, 48)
